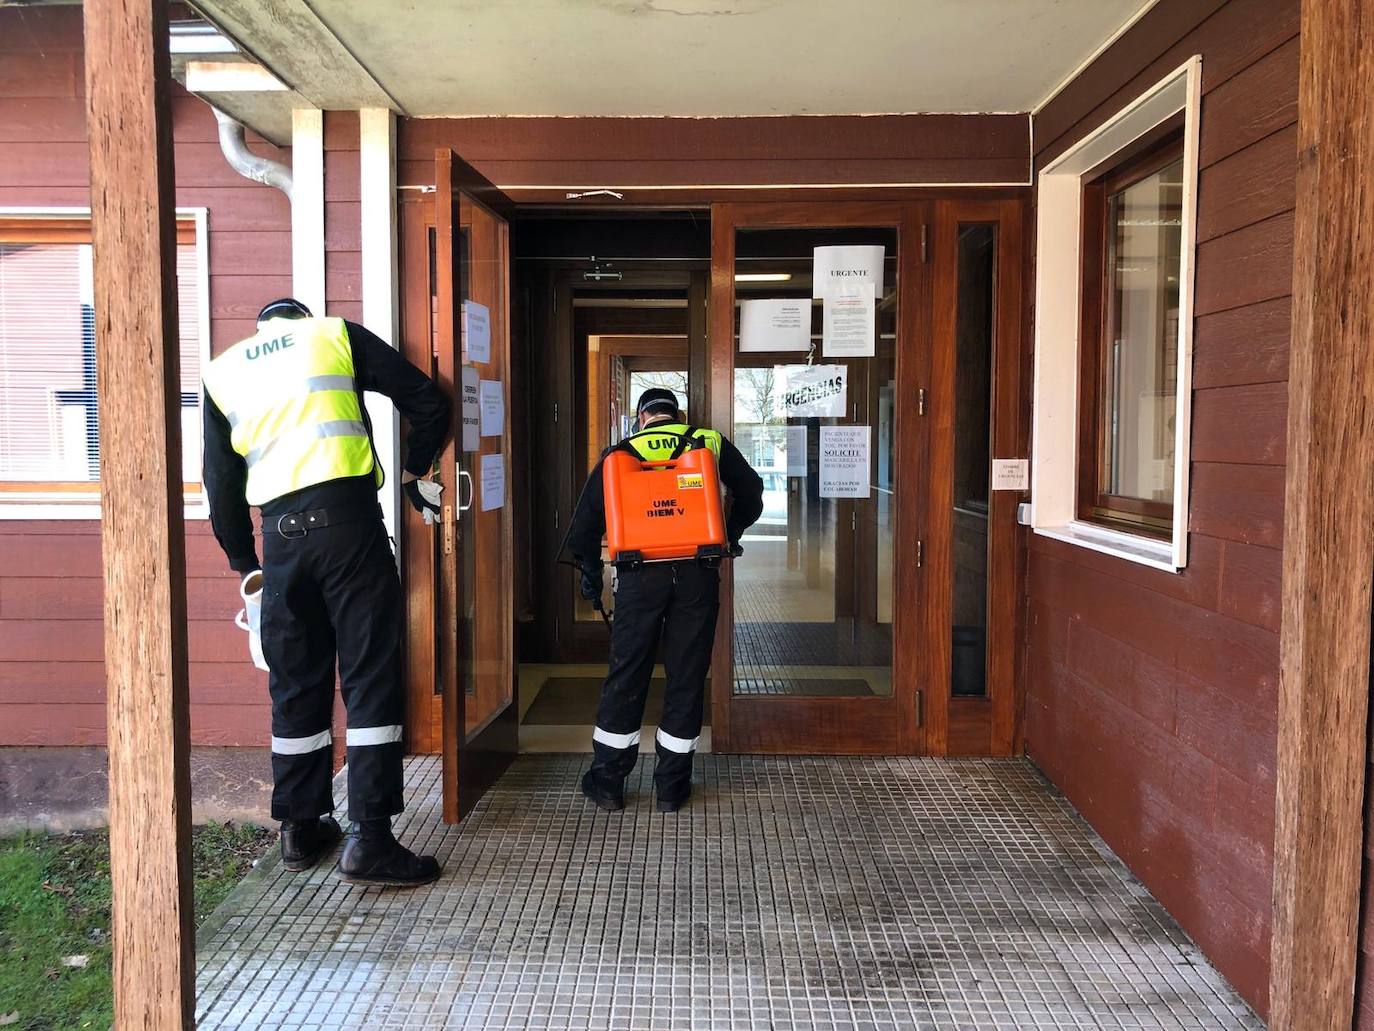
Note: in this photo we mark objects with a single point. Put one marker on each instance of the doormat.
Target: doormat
(571, 702)
(809, 687)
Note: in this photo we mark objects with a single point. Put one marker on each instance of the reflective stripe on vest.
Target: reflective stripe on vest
(292, 405)
(658, 442)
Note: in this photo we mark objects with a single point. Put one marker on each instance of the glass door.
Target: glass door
(476, 618)
(816, 368)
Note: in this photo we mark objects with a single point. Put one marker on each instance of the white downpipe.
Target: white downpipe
(307, 208)
(243, 161)
(377, 187)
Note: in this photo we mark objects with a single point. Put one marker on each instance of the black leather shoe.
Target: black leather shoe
(672, 803)
(305, 842)
(385, 862)
(610, 799)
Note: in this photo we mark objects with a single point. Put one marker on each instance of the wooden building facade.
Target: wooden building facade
(1200, 706)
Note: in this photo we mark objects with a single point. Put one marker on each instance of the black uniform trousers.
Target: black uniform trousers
(675, 604)
(334, 591)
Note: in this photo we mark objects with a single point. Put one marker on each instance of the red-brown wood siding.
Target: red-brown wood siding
(1151, 697)
(343, 259)
(51, 674)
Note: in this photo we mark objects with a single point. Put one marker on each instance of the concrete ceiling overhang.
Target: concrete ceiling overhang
(673, 57)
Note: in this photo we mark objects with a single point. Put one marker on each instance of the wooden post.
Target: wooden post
(133, 228)
(1329, 528)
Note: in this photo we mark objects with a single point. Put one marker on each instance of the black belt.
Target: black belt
(295, 525)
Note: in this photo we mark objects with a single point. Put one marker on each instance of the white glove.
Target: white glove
(424, 498)
(431, 492)
(250, 616)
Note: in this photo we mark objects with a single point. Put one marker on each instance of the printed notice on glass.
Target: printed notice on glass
(835, 267)
(493, 406)
(775, 324)
(493, 474)
(813, 391)
(470, 409)
(848, 323)
(844, 461)
(476, 332)
(796, 451)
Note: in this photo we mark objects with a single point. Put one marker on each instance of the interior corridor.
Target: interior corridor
(793, 893)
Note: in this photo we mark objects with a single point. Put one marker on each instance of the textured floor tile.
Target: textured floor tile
(810, 894)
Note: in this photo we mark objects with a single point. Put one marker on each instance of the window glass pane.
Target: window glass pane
(49, 418)
(812, 409)
(1140, 356)
(972, 456)
(47, 363)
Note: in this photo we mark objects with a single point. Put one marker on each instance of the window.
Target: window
(1112, 398)
(49, 412)
(1128, 379)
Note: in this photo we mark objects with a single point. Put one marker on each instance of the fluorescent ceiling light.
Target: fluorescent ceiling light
(762, 277)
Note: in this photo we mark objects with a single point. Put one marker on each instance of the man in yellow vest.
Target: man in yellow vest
(669, 603)
(286, 432)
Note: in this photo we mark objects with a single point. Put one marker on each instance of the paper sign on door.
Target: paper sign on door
(1010, 474)
(813, 391)
(775, 324)
(796, 451)
(836, 267)
(493, 475)
(492, 403)
(849, 322)
(476, 332)
(844, 461)
(470, 409)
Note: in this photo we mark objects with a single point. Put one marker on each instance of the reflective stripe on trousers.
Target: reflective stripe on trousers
(682, 745)
(615, 740)
(302, 745)
(373, 735)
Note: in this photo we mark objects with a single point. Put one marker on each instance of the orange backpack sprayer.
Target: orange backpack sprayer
(664, 511)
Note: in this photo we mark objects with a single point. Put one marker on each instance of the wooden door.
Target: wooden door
(474, 550)
(823, 645)
(976, 343)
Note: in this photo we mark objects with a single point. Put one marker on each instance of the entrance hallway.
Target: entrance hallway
(793, 893)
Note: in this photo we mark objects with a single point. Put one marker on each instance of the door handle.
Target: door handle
(465, 477)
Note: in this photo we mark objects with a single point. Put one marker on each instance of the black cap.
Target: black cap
(658, 399)
(284, 308)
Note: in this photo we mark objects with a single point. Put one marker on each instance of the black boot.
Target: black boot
(609, 797)
(305, 842)
(671, 802)
(379, 859)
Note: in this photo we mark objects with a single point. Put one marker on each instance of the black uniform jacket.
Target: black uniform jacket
(376, 367)
(589, 519)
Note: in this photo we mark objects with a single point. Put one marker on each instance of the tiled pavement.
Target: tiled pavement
(794, 893)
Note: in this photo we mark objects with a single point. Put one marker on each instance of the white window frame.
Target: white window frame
(1058, 290)
(47, 505)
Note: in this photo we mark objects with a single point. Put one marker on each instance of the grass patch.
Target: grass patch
(55, 909)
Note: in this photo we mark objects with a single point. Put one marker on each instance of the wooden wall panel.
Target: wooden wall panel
(642, 152)
(43, 135)
(1151, 697)
(50, 570)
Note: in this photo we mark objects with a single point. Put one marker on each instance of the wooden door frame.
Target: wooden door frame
(991, 725)
(432, 598)
(418, 544)
(572, 640)
(846, 725)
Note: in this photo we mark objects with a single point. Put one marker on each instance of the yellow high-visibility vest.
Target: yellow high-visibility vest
(289, 395)
(659, 441)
